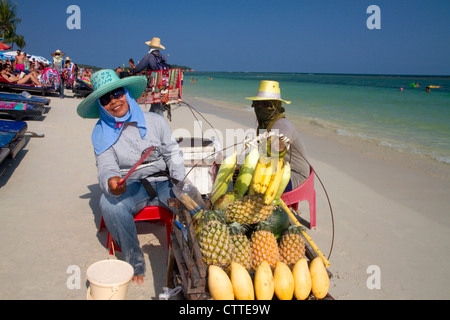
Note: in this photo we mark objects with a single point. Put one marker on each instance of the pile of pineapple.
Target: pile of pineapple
(246, 225)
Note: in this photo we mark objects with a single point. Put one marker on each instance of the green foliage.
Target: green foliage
(8, 24)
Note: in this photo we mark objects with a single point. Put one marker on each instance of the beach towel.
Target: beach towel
(50, 78)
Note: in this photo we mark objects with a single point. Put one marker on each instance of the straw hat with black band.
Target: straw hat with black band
(104, 81)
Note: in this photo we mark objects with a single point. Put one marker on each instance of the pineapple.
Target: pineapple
(241, 251)
(249, 209)
(292, 246)
(264, 246)
(214, 239)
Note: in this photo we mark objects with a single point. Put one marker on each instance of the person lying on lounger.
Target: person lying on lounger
(6, 73)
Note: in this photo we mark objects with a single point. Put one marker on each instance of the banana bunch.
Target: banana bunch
(275, 181)
(263, 172)
(270, 178)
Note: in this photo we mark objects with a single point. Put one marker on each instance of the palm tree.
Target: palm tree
(20, 41)
(8, 21)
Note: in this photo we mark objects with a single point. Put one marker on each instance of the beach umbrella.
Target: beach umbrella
(10, 55)
(39, 59)
(4, 46)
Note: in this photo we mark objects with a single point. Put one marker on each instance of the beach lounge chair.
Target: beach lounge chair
(305, 191)
(12, 138)
(21, 110)
(15, 97)
(5, 84)
(82, 88)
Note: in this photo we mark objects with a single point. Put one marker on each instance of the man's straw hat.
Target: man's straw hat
(58, 52)
(155, 43)
(268, 90)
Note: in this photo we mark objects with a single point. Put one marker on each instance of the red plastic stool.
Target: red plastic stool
(146, 214)
(305, 191)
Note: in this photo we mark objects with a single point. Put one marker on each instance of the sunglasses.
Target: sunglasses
(115, 94)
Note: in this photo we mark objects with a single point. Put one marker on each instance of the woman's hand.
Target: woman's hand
(113, 184)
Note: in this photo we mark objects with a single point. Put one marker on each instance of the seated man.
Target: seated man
(269, 112)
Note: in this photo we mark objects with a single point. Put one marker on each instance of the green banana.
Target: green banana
(223, 177)
(284, 182)
(246, 173)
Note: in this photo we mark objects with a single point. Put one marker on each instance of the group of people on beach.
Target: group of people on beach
(124, 133)
(22, 70)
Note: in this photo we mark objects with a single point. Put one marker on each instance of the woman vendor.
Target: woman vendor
(270, 115)
(121, 136)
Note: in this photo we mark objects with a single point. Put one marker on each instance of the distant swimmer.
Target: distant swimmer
(427, 89)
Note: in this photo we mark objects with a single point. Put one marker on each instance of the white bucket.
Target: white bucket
(109, 280)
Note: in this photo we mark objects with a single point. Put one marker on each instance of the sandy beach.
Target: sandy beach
(391, 214)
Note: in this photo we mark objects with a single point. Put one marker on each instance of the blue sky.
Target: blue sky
(248, 35)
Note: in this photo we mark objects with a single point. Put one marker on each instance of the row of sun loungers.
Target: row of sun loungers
(14, 133)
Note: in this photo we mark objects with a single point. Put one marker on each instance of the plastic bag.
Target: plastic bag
(189, 195)
(168, 293)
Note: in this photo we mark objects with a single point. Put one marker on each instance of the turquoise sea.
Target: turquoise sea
(372, 107)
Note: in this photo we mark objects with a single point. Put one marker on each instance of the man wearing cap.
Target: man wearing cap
(270, 115)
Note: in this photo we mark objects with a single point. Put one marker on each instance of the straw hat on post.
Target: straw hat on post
(155, 43)
(268, 90)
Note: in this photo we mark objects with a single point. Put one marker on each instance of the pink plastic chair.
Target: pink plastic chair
(305, 191)
(147, 214)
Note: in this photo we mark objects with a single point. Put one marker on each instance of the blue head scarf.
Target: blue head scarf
(108, 128)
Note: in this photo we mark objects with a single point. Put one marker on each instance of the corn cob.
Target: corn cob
(223, 177)
(246, 173)
(284, 182)
(275, 181)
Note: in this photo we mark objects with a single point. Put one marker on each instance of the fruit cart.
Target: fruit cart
(185, 266)
(189, 263)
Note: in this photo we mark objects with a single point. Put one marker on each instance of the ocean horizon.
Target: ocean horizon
(393, 111)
